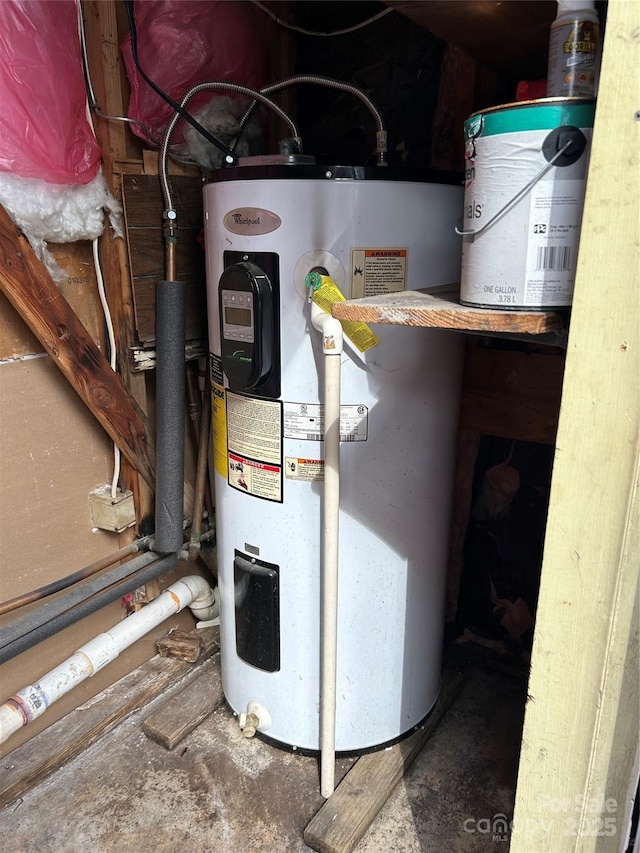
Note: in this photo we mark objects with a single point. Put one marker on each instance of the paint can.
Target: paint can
(525, 176)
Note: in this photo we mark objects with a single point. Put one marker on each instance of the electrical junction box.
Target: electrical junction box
(112, 513)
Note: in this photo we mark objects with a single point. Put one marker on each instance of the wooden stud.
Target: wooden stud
(578, 766)
(106, 26)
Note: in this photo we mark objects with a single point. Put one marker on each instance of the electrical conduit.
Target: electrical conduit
(332, 345)
(32, 701)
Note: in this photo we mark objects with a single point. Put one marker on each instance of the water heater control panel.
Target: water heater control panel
(248, 325)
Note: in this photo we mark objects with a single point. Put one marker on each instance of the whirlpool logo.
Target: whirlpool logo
(251, 220)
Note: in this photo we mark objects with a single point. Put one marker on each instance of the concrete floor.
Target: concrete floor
(217, 791)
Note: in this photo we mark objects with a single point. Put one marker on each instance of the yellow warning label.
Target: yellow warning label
(358, 333)
(219, 421)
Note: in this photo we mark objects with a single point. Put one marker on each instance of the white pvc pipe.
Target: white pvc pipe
(32, 701)
(332, 344)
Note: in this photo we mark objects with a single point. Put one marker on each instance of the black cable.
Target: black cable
(174, 104)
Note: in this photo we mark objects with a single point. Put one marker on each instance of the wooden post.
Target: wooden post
(104, 33)
(580, 741)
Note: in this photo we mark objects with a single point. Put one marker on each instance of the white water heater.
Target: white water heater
(372, 230)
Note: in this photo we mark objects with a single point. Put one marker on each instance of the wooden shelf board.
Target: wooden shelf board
(441, 309)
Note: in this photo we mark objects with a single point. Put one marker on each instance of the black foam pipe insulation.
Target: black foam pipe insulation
(170, 406)
(22, 634)
(56, 606)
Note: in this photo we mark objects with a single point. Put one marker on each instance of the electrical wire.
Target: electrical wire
(143, 127)
(178, 108)
(117, 456)
(91, 96)
(224, 86)
(305, 32)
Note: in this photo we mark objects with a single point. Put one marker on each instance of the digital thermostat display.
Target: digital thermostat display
(237, 316)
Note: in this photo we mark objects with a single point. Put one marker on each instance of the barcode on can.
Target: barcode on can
(553, 258)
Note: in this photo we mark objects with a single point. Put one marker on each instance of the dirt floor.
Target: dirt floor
(218, 792)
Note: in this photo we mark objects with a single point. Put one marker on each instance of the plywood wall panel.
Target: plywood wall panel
(53, 454)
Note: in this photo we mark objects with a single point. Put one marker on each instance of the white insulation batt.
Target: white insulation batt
(59, 213)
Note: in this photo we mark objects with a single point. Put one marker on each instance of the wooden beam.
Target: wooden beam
(351, 809)
(28, 286)
(106, 26)
(512, 394)
(578, 766)
(182, 713)
(80, 291)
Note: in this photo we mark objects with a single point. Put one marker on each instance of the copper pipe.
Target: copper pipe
(170, 238)
(69, 580)
(201, 481)
(194, 402)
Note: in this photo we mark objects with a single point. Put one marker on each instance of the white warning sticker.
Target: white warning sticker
(254, 427)
(310, 470)
(306, 421)
(254, 446)
(378, 271)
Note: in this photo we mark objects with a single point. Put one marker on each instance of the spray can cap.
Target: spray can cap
(575, 6)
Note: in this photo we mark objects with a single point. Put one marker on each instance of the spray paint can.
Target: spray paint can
(574, 51)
